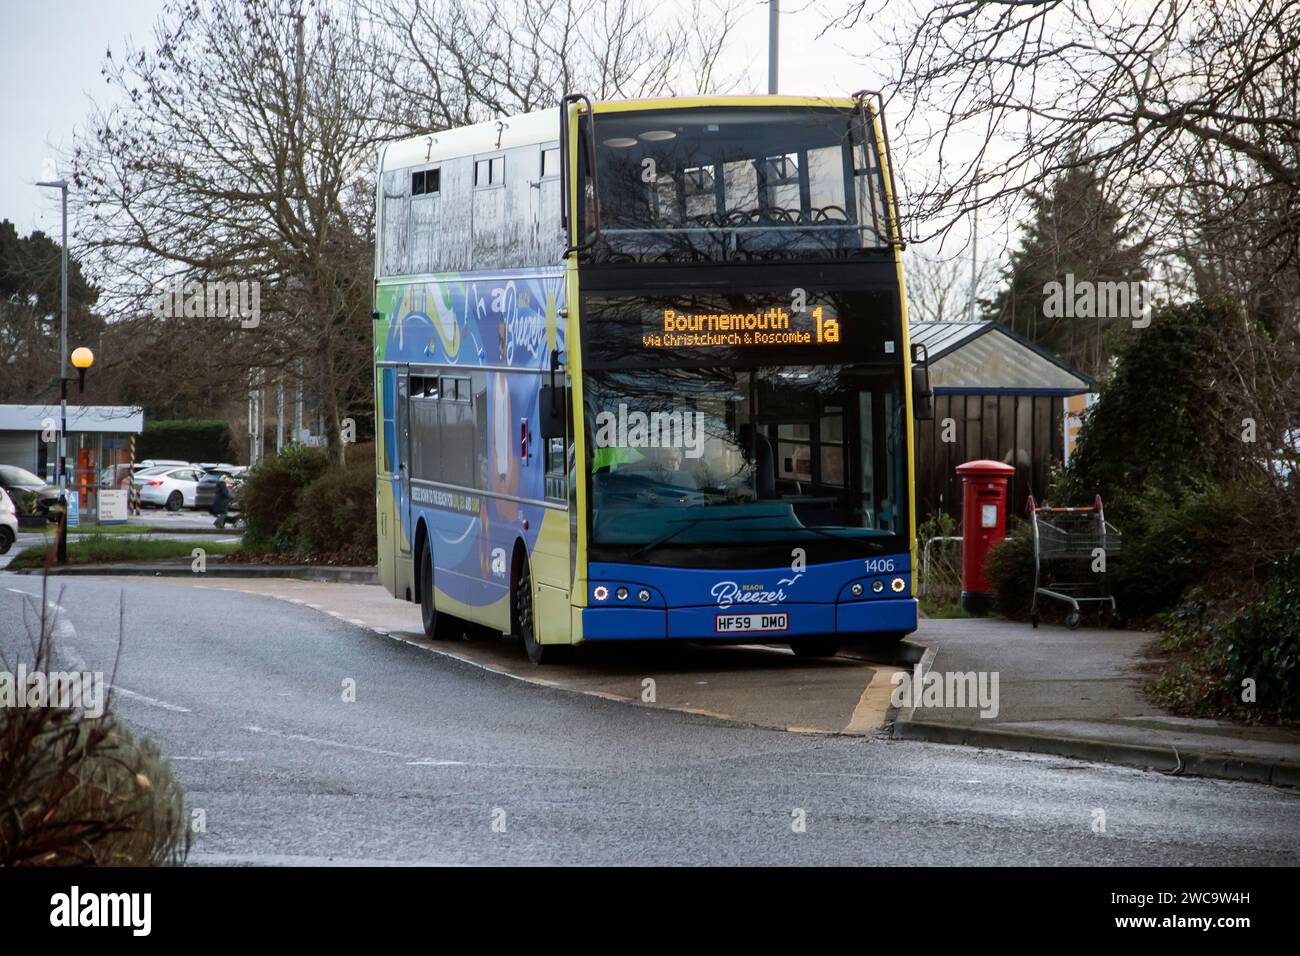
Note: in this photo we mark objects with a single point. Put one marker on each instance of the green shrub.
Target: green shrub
(336, 516)
(270, 497)
(1262, 643)
(1171, 546)
(1213, 653)
(1147, 429)
(1010, 570)
(190, 439)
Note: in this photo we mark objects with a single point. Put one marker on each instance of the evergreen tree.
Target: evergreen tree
(1074, 232)
(30, 320)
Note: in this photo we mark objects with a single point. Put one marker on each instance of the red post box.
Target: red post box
(984, 524)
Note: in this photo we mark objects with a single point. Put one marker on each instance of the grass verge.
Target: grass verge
(106, 550)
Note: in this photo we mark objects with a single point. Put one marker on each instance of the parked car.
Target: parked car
(148, 463)
(170, 488)
(8, 522)
(233, 475)
(29, 494)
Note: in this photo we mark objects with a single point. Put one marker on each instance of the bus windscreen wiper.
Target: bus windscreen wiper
(686, 525)
(872, 547)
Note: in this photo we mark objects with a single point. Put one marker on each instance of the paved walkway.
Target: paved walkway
(1079, 693)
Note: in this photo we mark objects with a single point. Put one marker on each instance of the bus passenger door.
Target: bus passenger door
(552, 555)
(402, 486)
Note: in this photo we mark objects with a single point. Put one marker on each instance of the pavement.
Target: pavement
(307, 739)
(1079, 694)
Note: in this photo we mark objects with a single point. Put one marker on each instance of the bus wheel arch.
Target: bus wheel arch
(523, 624)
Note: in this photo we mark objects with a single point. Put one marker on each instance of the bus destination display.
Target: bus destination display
(729, 330)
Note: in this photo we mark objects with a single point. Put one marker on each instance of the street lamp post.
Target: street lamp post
(82, 359)
(61, 478)
(773, 42)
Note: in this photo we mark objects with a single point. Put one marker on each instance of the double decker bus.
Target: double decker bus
(642, 373)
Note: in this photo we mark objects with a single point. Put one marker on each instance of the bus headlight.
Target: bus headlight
(621, 594)
(877, 585)
(643, 595)
(601, 593)
(899, 585)
(856, 590)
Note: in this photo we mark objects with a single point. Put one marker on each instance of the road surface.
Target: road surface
(440, 761)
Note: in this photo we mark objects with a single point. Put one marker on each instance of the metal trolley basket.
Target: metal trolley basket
(1073, 538)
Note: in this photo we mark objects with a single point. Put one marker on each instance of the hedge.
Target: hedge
(189, 439)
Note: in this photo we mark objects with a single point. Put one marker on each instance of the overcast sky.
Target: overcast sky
(50, 57)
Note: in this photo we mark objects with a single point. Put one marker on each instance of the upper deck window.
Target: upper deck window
(489, 172)
(735, 183)
(550, 162)
(426, 181)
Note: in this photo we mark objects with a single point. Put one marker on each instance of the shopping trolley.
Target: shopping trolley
(1070, 541)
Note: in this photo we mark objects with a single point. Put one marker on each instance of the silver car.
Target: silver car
(170, 488)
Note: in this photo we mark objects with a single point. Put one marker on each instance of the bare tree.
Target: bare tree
(241, 153)
(1181, 107)
(939, 287)
(464, 61)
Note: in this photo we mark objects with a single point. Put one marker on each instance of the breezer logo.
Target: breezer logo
(103, 909)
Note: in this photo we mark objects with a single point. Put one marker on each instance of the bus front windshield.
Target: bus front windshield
(690, 465)
(732, 184)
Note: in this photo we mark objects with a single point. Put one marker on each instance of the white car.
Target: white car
(170, 488)
(8, 522)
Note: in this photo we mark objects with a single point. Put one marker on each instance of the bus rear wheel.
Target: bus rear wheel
(523, 623)
(816, 647)
(435, 625)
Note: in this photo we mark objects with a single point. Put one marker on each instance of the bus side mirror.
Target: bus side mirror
(922, 394)
(552, 405)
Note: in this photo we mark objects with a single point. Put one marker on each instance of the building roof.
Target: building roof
(116, 419)
(974, 357)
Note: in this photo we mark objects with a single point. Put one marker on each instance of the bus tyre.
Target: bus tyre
(434, 625)
(816, 647)
(523, 623)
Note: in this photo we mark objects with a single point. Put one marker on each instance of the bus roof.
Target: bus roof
(543, 126)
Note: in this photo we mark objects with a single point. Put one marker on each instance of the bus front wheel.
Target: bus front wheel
(524, 625)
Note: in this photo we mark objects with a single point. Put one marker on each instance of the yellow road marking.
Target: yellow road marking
(872, 707)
